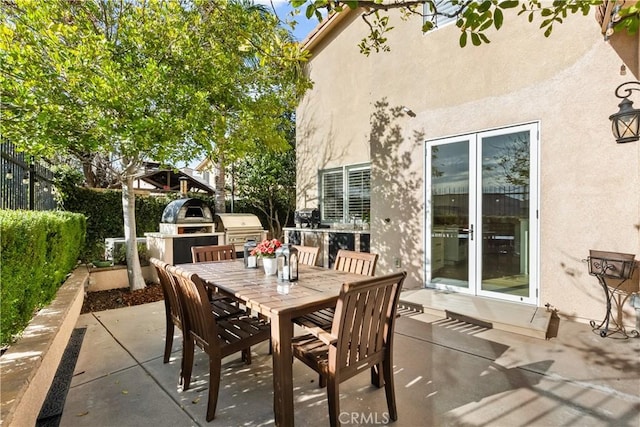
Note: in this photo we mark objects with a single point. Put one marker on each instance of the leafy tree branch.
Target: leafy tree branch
(474, 18)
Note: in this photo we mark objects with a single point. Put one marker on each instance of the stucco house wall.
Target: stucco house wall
(589, 195)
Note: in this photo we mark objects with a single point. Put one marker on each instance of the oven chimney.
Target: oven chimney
(183, 186)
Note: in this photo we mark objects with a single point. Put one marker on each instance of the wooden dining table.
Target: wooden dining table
(281, 302)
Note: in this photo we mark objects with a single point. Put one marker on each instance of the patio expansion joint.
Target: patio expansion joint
(141, 365)
(597, 387)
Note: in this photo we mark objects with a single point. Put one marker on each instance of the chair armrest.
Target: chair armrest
(324, 336)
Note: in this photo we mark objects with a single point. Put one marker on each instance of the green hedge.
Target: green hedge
(103, 210)
(37, 251)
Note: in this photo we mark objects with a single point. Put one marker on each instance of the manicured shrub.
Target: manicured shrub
(37, 252)
(103, 209)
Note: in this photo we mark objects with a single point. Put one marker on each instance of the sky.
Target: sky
(283, 9)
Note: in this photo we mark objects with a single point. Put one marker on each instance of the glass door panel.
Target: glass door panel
(505, 188)
(449, 220)
(481, 213)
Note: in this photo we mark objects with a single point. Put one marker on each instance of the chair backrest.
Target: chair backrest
(171, 302)
(200, 322)
(307, 254)
(364, 321)
(213, 253)
(356, 262)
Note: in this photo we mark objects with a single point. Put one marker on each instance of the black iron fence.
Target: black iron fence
(496, 201)
(25, 182)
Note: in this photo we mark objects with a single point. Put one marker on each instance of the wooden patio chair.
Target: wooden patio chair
(361, 337)
(356, 262)
(216, 337)
(307, 255)
(173, 311)
(213, 253)
(349, 261)
(217, 253)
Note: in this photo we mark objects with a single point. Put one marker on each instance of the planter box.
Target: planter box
(114, 277)
(28, 367)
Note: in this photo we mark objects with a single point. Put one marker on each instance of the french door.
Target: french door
(481, 213)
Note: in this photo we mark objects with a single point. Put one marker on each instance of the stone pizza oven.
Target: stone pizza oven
(185, 223)
(186, 216)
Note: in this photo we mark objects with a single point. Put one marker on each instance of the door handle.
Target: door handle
(470, 230)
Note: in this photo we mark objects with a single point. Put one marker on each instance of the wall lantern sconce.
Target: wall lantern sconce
(625, 124)
(25, 178)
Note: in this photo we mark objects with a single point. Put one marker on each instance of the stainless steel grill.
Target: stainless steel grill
(240, 227)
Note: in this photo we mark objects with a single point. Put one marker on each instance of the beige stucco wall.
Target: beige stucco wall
(589, 185)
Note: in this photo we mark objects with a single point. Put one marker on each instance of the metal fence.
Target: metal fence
(25, 182)
(496, 201)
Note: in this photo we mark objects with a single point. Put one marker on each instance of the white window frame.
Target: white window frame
(344, 173)
(443, 6)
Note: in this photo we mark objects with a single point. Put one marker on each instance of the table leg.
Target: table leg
(281, 334)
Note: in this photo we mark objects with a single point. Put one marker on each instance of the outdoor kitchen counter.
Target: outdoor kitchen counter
(176, 248)
(329, 240)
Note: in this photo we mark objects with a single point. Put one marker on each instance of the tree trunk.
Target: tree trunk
(89, 176)
(220, 183)
(134, 271)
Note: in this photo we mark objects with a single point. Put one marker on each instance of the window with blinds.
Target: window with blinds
(332, 196)
(442, 6)
(359, 193)
(345, 193)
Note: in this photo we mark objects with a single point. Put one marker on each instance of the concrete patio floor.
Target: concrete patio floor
(446, 373)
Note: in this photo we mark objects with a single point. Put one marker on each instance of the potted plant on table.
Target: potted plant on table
(266, 250)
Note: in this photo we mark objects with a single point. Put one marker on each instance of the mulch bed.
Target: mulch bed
(118, 298)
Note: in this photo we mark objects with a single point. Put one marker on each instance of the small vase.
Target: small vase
(270, 266)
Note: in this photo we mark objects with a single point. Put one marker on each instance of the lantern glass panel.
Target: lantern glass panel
(293, 265)
(250, 261)
(282, 261)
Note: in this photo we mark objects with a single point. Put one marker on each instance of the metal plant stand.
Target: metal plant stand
(614, 266)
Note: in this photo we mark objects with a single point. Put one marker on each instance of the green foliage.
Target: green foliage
(120, 257)
(473, 18)
(66, 179)
(629, 19)
(103, 210)
(265, 184)
(145, 79)
(37, 251)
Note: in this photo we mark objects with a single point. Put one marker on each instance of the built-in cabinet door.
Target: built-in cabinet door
(182, 247)
(294, 237)
(339, 241)
(481, 213)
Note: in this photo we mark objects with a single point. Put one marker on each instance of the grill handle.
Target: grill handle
(470, 230)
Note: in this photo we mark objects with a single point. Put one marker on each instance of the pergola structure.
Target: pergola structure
(169, 180)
